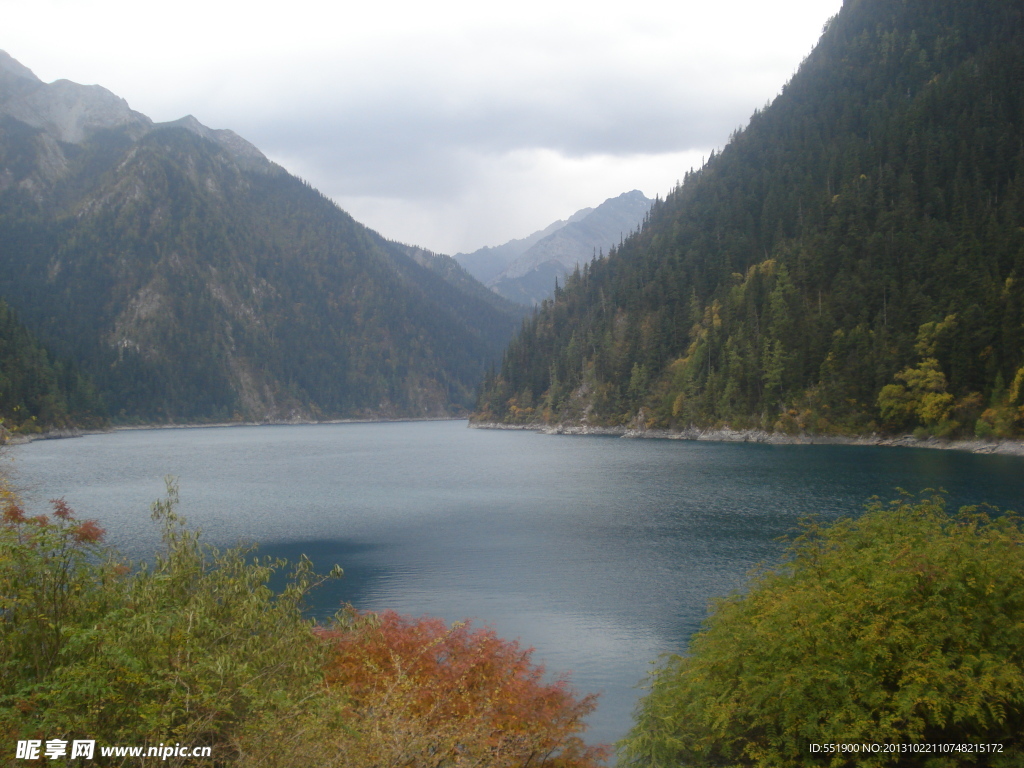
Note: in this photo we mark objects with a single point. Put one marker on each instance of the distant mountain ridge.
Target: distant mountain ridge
(530, 266)
(487, 263)
(195, 280)
(531, 277)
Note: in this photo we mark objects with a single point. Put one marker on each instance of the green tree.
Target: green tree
(904, 626)
(922, 396)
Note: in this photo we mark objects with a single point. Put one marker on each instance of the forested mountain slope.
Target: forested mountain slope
(853, 260)
(194, 280)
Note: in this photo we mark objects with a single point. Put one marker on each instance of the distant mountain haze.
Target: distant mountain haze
(525, 271)
(488, 262)
(195, 280)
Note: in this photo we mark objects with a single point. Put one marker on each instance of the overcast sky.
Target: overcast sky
(447, 124)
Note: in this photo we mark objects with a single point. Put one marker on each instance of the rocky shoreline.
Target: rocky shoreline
(727, 435)
(17, 438)
(720, 435)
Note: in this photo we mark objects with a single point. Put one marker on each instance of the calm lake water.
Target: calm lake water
(602, 553)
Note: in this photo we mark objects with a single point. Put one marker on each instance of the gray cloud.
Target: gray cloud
(415, 146)
(440, 123)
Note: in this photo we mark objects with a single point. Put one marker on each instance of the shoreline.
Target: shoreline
(717, 435)
(727, 435)
(7, 438)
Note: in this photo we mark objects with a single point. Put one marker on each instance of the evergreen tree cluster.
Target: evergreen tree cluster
(851, 261)
(36, 391)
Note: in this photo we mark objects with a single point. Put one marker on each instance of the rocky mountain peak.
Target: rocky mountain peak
(69, 113)
(65, 111)
(12, 70)
(241, 151)
(15, 79)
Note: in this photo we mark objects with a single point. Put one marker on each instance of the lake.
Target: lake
(600, 552)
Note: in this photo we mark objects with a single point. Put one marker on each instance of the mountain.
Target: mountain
(530, 278)
(852, 261)
(524, 271)
(195, 280)
(487, 263)
(451, 271)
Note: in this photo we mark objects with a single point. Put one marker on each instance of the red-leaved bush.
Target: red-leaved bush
(422, 693)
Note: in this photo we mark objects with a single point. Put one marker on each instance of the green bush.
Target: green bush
(189, 649)
(905, 626)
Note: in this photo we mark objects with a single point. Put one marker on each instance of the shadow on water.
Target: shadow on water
(366, 568)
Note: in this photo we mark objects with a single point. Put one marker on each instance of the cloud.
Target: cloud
(412, 112)
(509, 195)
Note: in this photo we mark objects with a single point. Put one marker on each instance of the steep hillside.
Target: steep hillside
(195, 280)
(853, 260)
(451, 271)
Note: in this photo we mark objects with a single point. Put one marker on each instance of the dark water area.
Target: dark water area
(601, 553)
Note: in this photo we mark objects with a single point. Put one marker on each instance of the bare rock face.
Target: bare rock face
(69, 113)
(65, 111)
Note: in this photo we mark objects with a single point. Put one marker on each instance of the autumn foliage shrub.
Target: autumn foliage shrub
(53, 577)
(416, 693)
(459, 696)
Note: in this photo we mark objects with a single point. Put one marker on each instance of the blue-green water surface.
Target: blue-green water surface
(602, 553)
